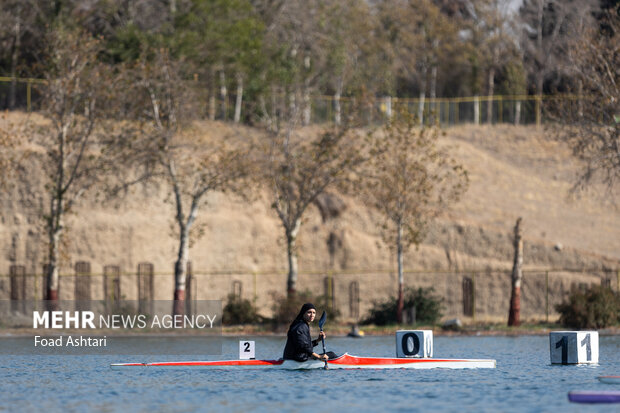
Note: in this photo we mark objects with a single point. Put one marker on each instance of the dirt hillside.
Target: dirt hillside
(514, 172)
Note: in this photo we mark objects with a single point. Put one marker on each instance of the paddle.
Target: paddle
(321, 323)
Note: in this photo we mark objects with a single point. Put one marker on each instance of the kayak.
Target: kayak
(609, 379)
(345, 361)
(594, 396)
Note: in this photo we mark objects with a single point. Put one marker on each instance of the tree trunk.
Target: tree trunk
(291, 242)
(491, 88)
(518, 112)
(579, 99)
(54, 229)
(388, 107)
(401, 279)
(180, 267)
(421, 107)
(239, 98)
(307, 107)
(433, 93)
(337, 108)
(212, 105)
(514, 314)
(223, 94)
(476, 110)
(292, 105)
(14, 58)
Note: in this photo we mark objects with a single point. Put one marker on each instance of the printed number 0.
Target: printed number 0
(405, 344)
(247, 347)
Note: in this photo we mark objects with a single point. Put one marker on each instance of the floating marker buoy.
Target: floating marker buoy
(414, 343)
(355, 332)
(594, 396)
(573, 347)
(609, 379)
(247, 350)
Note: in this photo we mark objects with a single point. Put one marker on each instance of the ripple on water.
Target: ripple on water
(523, 380)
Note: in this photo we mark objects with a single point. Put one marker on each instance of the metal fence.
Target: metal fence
(25, 94)
(475, 295)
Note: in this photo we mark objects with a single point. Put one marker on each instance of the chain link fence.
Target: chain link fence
(475, 295)
(26, 94)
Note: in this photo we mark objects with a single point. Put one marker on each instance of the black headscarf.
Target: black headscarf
(300, 316)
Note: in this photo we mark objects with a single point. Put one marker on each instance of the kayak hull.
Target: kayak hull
(594, 396)
(345, 361)
(609, 379)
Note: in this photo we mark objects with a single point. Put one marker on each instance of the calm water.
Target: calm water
(523, 381)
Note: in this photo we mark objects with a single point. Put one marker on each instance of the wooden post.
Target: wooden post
(500, 110)
(29, 96)
(547, 294)
(456, 112)
(514, 313)
(538, 117)
(473, 296)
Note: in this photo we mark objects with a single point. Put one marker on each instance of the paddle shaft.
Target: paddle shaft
(321, 322)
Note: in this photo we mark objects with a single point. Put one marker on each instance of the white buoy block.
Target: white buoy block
(414, 343)
(573, 347)
(247, 350)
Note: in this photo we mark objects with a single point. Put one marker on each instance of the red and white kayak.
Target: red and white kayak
(609, 379)
(345, 361)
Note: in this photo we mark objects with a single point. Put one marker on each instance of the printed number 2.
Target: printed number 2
(246, 347)
(586, 342)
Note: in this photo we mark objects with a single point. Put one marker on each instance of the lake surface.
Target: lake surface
(523, 381)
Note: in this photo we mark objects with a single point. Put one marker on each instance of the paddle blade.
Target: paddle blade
(322, 320)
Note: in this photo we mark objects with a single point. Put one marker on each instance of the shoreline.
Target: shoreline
(337, 331)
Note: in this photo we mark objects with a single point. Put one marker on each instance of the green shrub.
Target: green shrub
(597, 307)
(285, 308)
(428, 307)
(240, 311)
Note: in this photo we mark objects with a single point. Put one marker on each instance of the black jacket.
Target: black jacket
(298, 343)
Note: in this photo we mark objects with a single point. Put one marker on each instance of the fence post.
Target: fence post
(29, 96)
(617, 280)
(500, 109)
(547, 294)
(538, 99)
(473, 296)
(456, 112)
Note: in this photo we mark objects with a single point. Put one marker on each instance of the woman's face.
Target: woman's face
(309, 315)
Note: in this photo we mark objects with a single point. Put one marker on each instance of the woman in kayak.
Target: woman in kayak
(299, 344)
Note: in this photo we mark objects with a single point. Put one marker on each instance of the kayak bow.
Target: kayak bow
(345, 361)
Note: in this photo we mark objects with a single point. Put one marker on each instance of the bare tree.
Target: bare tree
(76, 157)
(498, 42)
(190, 163)
(410, 180)
(593, 129)
(422, 40)
(302, 167)
(17, 21)
(548, 26)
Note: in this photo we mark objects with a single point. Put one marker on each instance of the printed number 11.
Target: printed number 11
(564, 344)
